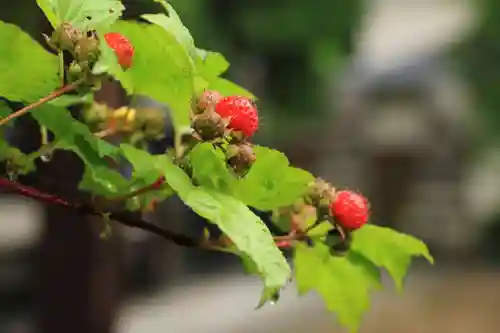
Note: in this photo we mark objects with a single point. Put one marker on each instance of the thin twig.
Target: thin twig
(106, 132)
(124, 218)
(132, 220)
(53, 95)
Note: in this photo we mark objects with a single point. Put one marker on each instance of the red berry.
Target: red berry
(124, 50)
(241, 112)
(350, 209)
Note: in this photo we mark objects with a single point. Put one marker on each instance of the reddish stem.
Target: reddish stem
(53, 95)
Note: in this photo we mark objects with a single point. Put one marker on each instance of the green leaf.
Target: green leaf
(5, 110)
(65, 101)
(213, 63)
(343, 284)
(147, 167)
(246, 230)
(47, 7)
(108, 63)
(209, 66)
(70, 134)
(73, 135)
(248, 233)
(271, 183)
(161, 68)
(27, 71)
(82, 14)
(16, 158)
(210, 169)
(229, 88)
(389, 249)
(173, 24)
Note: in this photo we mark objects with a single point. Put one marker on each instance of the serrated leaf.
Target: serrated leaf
(82, 14)
(173, 24)
(245, 229)
(213, 63)
(161, 68)
(210, 169)
(271, 182)
(389, 249)
(343, 284)
(248, 233)
(210, 65)
(27, 71)
(229, 88)
(108, 63)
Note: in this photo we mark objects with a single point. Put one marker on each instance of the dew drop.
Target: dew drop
(274, 298)
(12, 176)
(46, 158)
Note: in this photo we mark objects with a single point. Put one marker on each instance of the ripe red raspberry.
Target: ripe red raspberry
(241, 112)
(124, 50)
(350, 209)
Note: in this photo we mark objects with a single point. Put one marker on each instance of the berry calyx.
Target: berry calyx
(241, 112)
(123, 48)
(350, 209)
(240, 157)
(207, 99)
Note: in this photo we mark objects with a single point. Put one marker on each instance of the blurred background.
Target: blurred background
(397, 99)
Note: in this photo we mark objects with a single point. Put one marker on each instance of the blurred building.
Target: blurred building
(402, 130)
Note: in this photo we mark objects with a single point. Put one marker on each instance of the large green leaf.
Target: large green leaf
(82, 14)
(389, 249)
(343, 283)
(27, 71)
(161, 68)
(271, 182)
(173, 24)
(249, 234)
(247, 231)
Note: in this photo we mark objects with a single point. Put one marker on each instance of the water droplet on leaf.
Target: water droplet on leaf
(274, 298)
(46, 157)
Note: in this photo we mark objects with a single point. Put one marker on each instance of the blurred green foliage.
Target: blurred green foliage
(300, 43)
(479, 59)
